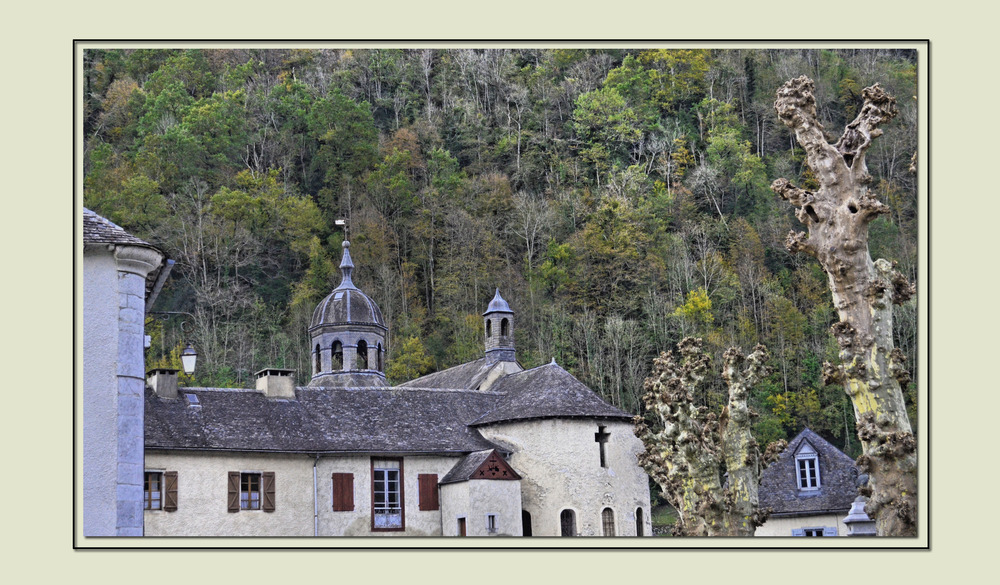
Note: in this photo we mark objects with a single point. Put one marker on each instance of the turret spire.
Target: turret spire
(346, 267)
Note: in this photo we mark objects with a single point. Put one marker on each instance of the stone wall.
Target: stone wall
(474, 500)
(559, 462)
(114, 299)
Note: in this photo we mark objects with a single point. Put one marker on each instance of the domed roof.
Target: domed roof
(347, 304)
(498, 305)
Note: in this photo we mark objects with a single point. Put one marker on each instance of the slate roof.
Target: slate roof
(466, 467)
(546, 392)
(347, 304)
(100, 230)
(838, 478)
(340, 420)
(467, 376)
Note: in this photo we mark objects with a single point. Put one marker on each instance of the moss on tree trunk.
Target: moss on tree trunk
(871, 369)
(690, 448)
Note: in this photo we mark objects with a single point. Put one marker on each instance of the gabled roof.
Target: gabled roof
(336, 420)
(838, 479)
(487, 464)
(467, 376)
(546, 392)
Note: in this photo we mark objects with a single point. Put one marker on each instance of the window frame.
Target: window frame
(246, 484)
(570, 514)
(607, 522)
(491, 524)
(400, 493)
(807, 474)
(147, 493)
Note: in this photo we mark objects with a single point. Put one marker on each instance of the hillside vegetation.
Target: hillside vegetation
(619, 198)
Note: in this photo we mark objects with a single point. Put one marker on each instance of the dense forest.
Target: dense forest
(619, 198)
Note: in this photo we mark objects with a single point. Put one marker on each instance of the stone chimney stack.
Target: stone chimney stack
(163, 381)
(276, 383)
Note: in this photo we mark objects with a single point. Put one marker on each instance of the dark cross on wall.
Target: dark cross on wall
(601, 437)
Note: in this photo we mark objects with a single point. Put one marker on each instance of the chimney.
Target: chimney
(276, 383)
(163, 381)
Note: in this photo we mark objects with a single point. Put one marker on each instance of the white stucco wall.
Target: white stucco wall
(559, 462)
(417, 522)
(202, 496)
(474, 500)
(783, 526)
(113, 381)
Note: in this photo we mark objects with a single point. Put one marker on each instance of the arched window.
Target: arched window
(338, 356)
(316, 367)
(381, 366)
(504, 328)
(640, 524)
(567, 523)
(489, 328)
(362, 363)
(525, 523)
(608, 521)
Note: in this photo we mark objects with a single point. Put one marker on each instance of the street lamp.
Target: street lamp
(188, 357)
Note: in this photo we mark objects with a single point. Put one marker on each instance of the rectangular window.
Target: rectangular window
(491, 523)
(249, 491)
(152, 493)
(387, 494)
(808, 473)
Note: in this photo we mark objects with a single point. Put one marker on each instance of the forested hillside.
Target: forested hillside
(619, 198)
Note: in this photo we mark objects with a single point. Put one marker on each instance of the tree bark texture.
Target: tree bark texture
(691, 449)
(837, 217)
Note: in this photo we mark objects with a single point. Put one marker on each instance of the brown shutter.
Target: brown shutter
(234, 491)
(343, 492)
(427, 482)
(267, 478)
(170, 491)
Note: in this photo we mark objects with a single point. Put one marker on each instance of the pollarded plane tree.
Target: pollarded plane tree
(689, 448)
(871, 370)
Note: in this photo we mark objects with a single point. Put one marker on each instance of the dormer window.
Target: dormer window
(807, 467)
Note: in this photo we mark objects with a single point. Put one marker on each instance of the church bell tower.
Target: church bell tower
(499, 323)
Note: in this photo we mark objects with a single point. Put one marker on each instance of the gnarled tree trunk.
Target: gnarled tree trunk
(688, 453)
(871, 370)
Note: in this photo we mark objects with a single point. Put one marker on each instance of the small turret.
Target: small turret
(499, 323)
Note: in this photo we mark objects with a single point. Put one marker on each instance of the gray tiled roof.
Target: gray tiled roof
(466, 467)
(838, 476)
(99, 230)
(546, 392)
(344, 420)
(467, 376)
(347, 303)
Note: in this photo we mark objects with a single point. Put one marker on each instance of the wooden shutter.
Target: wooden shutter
(428, 484)
(798, 531)
(170, 491)
(267, 479)
(343, 492)
(829, 531)
(234, 491)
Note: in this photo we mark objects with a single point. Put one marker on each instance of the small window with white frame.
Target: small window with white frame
(491, 523)
(807, 468)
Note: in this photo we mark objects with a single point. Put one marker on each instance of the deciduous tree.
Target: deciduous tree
(687, 448)
(871, 369)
